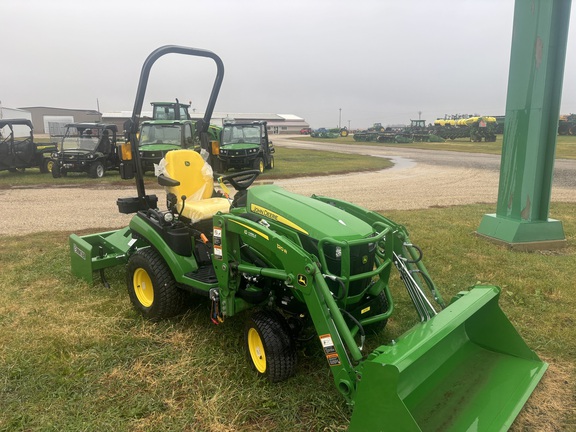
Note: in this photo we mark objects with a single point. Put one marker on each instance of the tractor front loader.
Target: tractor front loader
(314, 265)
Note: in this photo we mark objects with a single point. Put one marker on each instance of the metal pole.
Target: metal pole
(536, 73)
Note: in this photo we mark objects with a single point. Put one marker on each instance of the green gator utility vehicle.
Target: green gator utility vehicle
(313, 266)
(158, 137)
(245, 145)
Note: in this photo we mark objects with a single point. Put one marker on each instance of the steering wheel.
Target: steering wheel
(239, 180)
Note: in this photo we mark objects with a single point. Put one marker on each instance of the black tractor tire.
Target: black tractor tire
(56, 170)
(271, 163)
(46, 165)
(96, 170)
(258, 164)
(151, 286)
(270, 348)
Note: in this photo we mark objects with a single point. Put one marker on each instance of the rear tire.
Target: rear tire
(259, 164)
(46, 165)
(151, 286)
(271, 164)
(270, 347)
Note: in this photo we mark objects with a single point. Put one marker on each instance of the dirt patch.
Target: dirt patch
(28, 210)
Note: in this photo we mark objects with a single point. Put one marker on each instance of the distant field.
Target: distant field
(565, 145)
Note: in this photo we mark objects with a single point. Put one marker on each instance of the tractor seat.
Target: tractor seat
(186, 173)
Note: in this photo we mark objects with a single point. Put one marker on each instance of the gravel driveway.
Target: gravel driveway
(419, 179)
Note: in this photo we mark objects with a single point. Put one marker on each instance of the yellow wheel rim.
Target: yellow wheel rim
(143, 287)
(256, 349)
(261, 166)
(49, 165)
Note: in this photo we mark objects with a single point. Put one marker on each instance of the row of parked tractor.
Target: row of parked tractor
(474, 128)
(94, 148)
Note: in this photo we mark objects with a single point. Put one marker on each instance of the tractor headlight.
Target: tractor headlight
(168, 217)
(338, 252)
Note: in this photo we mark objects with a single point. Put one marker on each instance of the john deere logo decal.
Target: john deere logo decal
(302, 281)
(365, 259)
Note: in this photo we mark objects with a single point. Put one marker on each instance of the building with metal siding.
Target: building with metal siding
(277, 123)
(42, 116)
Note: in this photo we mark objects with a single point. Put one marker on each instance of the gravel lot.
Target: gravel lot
(411, 184)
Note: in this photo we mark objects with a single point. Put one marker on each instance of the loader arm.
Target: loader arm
(300, 272)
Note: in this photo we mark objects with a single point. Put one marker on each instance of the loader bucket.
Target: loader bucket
(96, 252)
(466, 369)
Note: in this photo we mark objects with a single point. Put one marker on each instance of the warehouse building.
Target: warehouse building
(50, 120)
(277, 123)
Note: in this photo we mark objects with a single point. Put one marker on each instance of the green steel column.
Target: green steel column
(536, 73)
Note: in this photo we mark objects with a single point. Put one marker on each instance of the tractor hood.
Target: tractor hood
(305, 215)
(240, 146)
(159, 147)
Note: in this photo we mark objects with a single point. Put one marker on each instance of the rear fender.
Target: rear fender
(179, 265)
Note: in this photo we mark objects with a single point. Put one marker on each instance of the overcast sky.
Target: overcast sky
(354, 62)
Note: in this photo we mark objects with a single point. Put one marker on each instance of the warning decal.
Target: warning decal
(327, 344)
(333, 360)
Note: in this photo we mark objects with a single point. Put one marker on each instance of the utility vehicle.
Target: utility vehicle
(19, 153)
(158, 137)
(86, 147)
(245, 145)
(315, 266)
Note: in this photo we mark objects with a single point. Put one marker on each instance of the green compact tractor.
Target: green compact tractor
(313, 265)
(245, 145)
(170, 111)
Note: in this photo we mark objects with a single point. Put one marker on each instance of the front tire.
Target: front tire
(151, 286)
(270, 347)
(96, 170)
(56, 170)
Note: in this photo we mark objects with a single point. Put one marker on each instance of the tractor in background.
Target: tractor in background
(567, 124)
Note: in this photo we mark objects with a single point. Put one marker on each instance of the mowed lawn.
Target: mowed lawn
(77, 357)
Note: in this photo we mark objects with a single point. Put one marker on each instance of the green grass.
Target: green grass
(565, 145)
(78, 357)
(288, 163)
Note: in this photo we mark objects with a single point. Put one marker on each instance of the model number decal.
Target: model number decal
(80, 252)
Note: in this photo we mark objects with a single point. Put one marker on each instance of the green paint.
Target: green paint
(532, 111)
